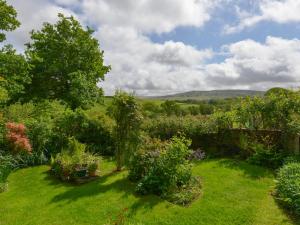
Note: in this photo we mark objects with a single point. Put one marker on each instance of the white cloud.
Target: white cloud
(32, 14)
(256, 65)
(148, 15)
(279, 11)
(150, 68)
(139, 64)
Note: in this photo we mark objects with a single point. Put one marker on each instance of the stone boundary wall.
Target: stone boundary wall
(228, 141)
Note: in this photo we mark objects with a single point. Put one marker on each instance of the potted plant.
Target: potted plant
(92, 168)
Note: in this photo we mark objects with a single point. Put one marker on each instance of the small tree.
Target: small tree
(126, 112)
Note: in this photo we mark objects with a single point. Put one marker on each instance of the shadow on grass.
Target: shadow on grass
(292, 216)
(250, 171)
(113, 181)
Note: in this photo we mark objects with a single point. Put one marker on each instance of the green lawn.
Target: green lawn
(233, 193)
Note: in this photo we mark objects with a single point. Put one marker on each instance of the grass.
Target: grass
(233, 193)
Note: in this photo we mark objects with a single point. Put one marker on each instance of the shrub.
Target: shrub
(17, 138)
(146, 155)
(288, 186)
(95, 133)
(7, 164)
(39, 119)
(167, 127)
(126, 112)
(262, 152)
(74, 162)
(165, 171)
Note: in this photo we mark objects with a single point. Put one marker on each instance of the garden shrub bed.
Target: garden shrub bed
(75, 164)
(164, 169)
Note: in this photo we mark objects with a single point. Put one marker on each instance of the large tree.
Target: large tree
(13, 72)
(8, 21)
(67, 63)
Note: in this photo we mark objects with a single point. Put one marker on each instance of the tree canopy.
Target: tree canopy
(14, 72)
(8, 19)
(67, 63)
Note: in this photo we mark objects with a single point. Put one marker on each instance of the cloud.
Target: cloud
(32, 14)
(148, 68)
(278, 11)
(140, 65)
(148, 16)
(253, 64)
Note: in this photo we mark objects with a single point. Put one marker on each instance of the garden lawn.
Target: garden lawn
(233, 193)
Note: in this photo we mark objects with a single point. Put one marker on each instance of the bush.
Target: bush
(39, 120)
(95, 133)
(262, 152)
(167, 127)
(288, 186)
(143, 159)
(17, 138)
(165, 171)
(74, 162)
(7, 164)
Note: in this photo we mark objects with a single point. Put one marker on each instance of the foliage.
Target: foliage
(267, 156)
(74, 162)
(7, 164)
(150, 109)
(261, 151)
(14, 71)
(17, 138)
(146, 155)
(8, 21)
(171, 108)
(164, 170)
(95, 133)
(274, 111)
(127, 115)
(167, 127)
(40, 120)
(288, 186)
(224, 120)
(67, 63)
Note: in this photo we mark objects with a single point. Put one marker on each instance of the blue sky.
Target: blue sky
(167, 46)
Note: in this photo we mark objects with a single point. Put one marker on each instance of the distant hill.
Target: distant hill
(214, 94)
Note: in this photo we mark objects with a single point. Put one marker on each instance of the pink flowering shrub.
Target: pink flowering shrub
(17, 138)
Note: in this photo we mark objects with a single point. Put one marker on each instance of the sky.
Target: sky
(159, 47)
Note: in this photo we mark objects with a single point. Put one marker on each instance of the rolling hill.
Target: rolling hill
(213, 94)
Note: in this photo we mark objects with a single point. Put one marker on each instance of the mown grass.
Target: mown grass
(233, 193)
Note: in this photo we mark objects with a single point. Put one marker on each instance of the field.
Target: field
(233, 193)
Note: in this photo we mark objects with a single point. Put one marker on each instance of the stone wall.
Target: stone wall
(229, 141)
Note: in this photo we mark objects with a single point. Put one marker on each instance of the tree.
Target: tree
(14, 71)
(127, 114)
(8, 21)
(67, 63)
(171, 107)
